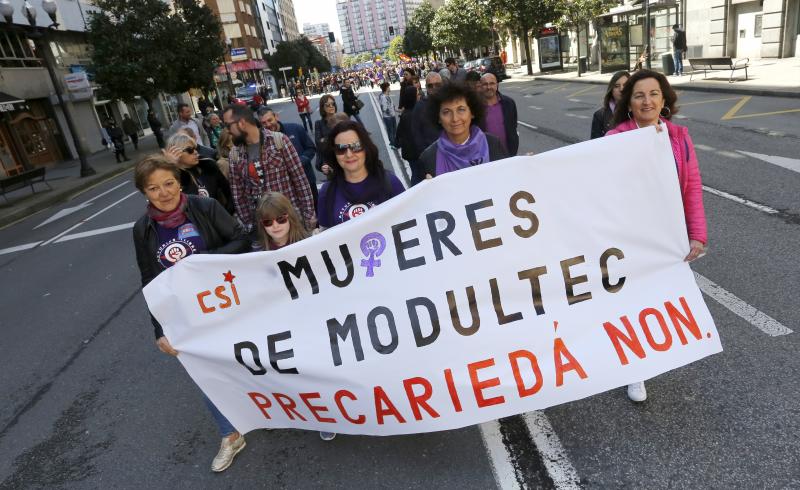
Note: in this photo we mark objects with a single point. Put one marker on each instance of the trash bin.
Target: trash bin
(667, 64)
(582, 63)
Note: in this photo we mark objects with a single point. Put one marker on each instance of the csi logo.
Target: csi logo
(224, 296)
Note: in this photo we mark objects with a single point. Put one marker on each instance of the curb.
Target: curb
(62, 195)
(696, 88)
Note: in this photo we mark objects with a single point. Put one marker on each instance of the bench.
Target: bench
(715, 64)
(26, 178)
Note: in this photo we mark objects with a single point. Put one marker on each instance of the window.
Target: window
(16, 51)
(757, 30)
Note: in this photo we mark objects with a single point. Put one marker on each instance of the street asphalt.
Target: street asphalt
(91, 403)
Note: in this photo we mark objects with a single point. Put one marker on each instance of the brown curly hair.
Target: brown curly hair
(624, 106)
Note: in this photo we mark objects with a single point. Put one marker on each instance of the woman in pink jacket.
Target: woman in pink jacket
(648, 100)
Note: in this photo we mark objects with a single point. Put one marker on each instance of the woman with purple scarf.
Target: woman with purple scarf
(174, 226)
(457, 109)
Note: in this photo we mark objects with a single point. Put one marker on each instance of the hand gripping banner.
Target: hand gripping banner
(483, 293)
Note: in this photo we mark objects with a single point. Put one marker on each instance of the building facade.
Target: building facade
(369, 25)
(267, 15)
(321, 29)
(287, 20)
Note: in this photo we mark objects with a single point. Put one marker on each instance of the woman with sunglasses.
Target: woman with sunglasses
(199, 176)
(359, 181)
(327, 108)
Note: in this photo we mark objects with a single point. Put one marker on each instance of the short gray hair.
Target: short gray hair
(181, 140)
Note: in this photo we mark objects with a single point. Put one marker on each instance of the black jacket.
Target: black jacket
(321, 131)
(416, 131)
(601, 122)
(509, 122)
(349, 101)
(428, 157)
(207, 172)
(220, 231)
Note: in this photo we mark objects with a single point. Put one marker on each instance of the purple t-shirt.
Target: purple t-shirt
(495, 124)
(350, 202)
(178, 243)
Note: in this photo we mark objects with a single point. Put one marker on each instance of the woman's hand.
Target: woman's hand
(165, 347)
(696, 250)
(173, 154)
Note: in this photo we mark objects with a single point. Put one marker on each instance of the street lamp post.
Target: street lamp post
(39, 37)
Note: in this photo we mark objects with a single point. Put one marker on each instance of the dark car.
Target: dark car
(491, 64)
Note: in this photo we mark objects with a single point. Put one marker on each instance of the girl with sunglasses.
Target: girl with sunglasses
(358, 181)
(280, 223)
(199, 176)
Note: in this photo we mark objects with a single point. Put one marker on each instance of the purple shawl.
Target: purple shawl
(451, 157)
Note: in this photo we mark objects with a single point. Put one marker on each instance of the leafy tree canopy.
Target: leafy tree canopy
(395, 49)
(462, 24)
(299, 53)
(417, 40)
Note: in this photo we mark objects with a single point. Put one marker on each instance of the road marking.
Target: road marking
(680, 116)
(556, 88)
(88, 219)
(759, 114)
(582, 91)
(504, 474)
(68, 211)
(787, 163)
(733, 110)
(709, 101)
(574, 100)
(99, 231)
(705, 147)
(392, 157)
(753, 316)
(19, 248)
(579, 116)
(761, 207)
(536, 107)
(529, 126)
(552, 452)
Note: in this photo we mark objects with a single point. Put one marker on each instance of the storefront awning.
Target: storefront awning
(8, 102)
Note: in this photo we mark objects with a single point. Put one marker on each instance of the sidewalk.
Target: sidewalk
(766, 77)
(64, 178)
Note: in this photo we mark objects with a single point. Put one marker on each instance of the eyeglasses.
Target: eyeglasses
(189, 149)
(433, 85)
(329, 104)
(281, 220)
(354, 147)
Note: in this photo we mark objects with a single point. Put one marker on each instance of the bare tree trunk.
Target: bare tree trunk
(527, 42)
(578, 42)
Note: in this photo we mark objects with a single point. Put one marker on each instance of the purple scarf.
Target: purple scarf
(451, 157)
(171, 219)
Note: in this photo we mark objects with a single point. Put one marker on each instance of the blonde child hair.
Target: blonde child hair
(272, 205)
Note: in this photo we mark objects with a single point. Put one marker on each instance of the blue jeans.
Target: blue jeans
(224, 426)
(391, 128)
(307, 124)
(677, 57)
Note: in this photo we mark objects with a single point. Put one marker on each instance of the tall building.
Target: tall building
(331, 51)
(268, 15)
(321, 29)
(287, 20)
(369, 25)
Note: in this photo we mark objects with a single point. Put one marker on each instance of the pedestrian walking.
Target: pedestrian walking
(678, 48)
(452, 72)
(501, 114)
(185, 120)
(350, 103)
(117, 139)
(359, 181)
(416, 132)
(213, 129)
(649, 100)
(304, 109)
(174, 227)
(327, 108)
(199, 176)
(155, 126)
(262, 162)
(131, 130)
(302, 142)
(603, 117)
(388, 113)
(457, 110)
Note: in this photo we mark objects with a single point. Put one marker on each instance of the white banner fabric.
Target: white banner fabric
(483, 293)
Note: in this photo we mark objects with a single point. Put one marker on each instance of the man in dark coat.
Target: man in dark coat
(501, 114)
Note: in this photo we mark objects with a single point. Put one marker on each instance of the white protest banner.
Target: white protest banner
(487, 292)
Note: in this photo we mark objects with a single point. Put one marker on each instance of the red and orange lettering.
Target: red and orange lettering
(559, 349)
(338, 399)
(678, 319)
(203, 307)
(667, 343)
(315, 409)
(478, 386)
(384, 406)
(451, 388)
(632, 341)
(262, 402)
(288, 405)
(218, 292)
(513, 359)
(421, 400)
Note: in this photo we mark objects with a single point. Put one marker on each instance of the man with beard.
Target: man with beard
(262, 161)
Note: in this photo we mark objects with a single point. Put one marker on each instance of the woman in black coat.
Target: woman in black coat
(199, 176)
(349, 101)
(601, 121)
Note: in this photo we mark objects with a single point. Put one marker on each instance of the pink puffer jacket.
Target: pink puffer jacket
(688, 176)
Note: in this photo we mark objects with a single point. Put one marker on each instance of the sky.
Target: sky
(315, 12)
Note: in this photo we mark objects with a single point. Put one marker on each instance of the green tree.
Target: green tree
(524, 16)
(395, 49)
(299, 53)
(417, 40)
(142, 47)
(348, 61)
(578, 14)
(462, 24)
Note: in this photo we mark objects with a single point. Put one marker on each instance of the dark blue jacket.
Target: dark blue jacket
(302, 142)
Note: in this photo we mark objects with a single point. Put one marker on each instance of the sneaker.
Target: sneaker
(227, 451)
(327, 436)
(637, 392)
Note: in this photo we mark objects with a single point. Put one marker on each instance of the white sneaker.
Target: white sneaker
(227, 451)
(637, 392)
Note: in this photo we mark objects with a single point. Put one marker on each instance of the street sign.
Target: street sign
(238, 51)
(285, 68)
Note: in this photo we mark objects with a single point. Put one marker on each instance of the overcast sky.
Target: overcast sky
(315, 12)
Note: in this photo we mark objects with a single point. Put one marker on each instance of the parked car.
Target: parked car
(491, 64)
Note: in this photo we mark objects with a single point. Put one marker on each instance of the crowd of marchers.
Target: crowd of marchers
(238, 179)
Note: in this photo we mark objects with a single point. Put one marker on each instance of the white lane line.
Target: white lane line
(504, 473)
(705, 147)
(574, 100)
(19, 248)
(792, 164)
(400, 174)
(108, 191)
(529, 126)
(88, 219)
(579, 116)
(753, 316)
(70, 210)
(761, 207)
(99, 231)
(535, 107)
(552, 452)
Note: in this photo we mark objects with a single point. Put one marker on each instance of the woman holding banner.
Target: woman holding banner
(174, 226)
(649, 100)
(457, 110)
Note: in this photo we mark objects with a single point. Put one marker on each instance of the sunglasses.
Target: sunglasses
(330, 104)
(281, 220)
(189, 149)
(354, 147)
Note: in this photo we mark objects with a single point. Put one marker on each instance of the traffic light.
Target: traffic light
(331, 38)
(391, 30)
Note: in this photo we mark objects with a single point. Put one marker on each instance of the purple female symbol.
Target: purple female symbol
(372, 245)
